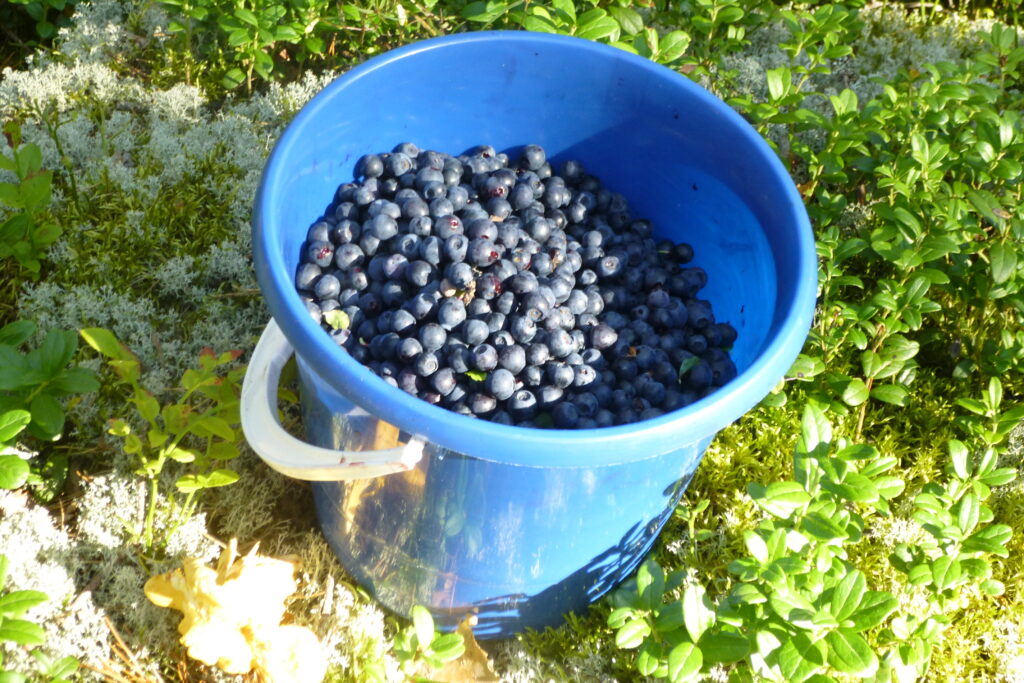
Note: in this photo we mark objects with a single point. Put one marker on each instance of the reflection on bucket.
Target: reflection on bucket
(451, 532)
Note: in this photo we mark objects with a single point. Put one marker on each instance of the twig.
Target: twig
(128, 670)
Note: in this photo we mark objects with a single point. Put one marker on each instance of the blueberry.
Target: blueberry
(565, 415)
(319, 232)
(584, 375)
(539, 229)
(432, 336)
(455, 247)
(499, 207)
(327, 287)
(572, 171)
(314, 311)
(426, 364)
(385, 346)
(414, 208)
(306, 276)
(560, 343)
(369, 244)
(532, 157)
(459, 275)
(586, 404)
(537, 354)
(723, 371)
(523, 329)
(699, 376)
(459, 359)
(450, 313)
(485, 357)
(725, 333)
(420, 273)
(488, 286)
(393, 293)
(501, 338)
(496, 321)
(522, 405)
(478, 307)
(482, 228)
(383, 207)
(500, 383)
(481, 252)
(505, 302)
(482, 404)
(320, 253)
(521, 197)
(430, 250)
(443, 381)
(421, 306)
(408, 349)
(549, 395)
(381, 226)
(409, 381)
(458, 195)
(682, 252)
(512, 358)
(560, 374)
(699, 312)
(434, 189)
(399, 163)
(475, 332)
(369, 166)
(531, 376)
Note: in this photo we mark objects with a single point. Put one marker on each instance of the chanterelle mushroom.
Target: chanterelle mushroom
(232, 616)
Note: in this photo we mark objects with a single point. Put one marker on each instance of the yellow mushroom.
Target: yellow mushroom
(232, 616)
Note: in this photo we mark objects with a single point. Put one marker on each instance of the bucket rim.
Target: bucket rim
(520, 445)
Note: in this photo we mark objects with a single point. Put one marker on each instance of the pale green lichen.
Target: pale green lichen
(44, 557)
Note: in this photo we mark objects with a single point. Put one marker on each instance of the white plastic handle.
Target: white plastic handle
(289, 455)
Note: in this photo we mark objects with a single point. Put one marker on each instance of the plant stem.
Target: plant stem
(147, 533)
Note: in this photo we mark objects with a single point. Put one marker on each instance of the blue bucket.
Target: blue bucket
(519, 526)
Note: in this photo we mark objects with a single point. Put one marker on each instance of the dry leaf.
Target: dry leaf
(473, 666)
(232, 616)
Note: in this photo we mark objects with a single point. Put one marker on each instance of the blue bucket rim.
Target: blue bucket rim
(520, 445)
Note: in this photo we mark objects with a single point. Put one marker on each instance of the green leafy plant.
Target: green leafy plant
(419, 646)
(47, 16)
(14, 629)
(27, 231)
(14, 469)
(33, 385)
(199, 429)
(960, 536)
(238, 42)
(799, 608)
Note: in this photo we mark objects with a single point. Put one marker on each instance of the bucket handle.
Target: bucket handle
(289, 455)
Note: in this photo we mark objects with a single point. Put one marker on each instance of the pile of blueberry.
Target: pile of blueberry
(500, 289)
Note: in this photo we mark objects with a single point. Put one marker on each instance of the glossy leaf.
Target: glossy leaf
(724, 647)
(632, 634)
(874, 608)
(849, 653)
(848, 594)
(12, 422)
(698, 612)
(22, 632)
(13, 472)
(16, 602)
(780, 498)
(684, 661)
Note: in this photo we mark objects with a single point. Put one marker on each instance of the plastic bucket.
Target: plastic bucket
(425, 506)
